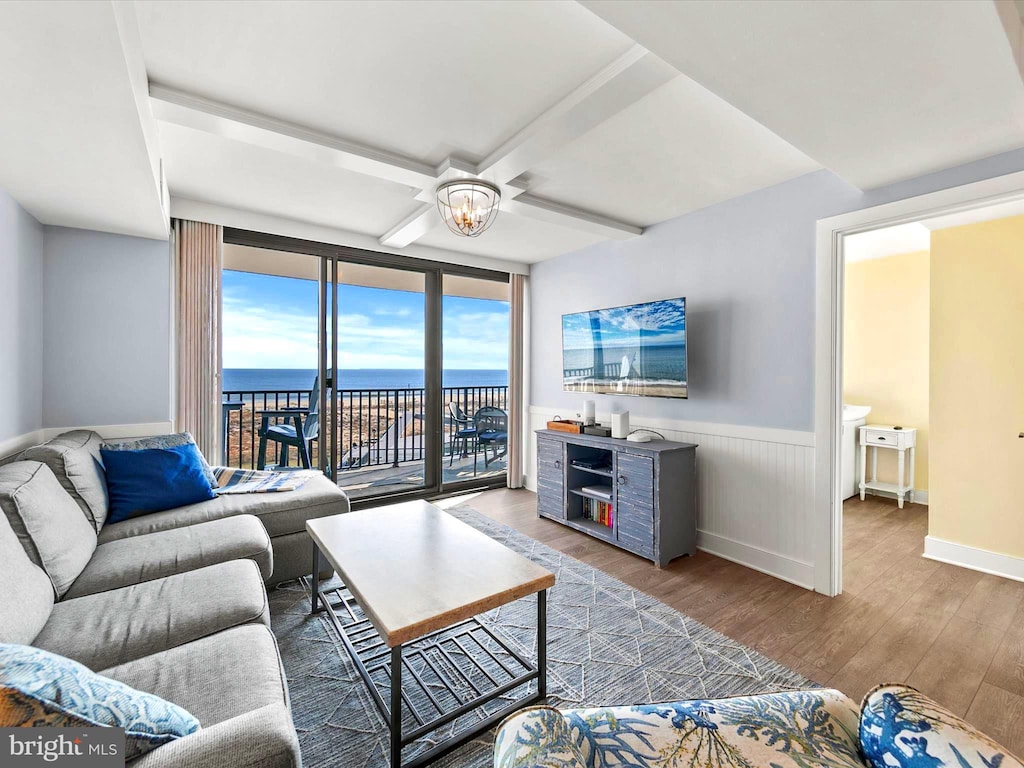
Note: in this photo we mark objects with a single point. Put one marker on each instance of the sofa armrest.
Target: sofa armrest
(263, 738)
(901, 726)
(537, 737)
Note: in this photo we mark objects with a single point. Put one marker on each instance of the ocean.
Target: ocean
(655, 364)
(299, 379)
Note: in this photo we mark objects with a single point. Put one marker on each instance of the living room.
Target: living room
(556, 286)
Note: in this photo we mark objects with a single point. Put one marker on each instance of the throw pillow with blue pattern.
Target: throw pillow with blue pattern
(902, 728)
(38, 689)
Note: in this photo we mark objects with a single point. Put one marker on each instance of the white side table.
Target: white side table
(903, 440)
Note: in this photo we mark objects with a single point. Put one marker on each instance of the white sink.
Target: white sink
(855, 412)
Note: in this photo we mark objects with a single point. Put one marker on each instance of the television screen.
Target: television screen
(634, 350)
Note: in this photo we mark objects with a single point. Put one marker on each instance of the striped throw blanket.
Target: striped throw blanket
(233, 480)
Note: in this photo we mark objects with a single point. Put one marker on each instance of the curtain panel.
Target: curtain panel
(516, 343)
(198, 260)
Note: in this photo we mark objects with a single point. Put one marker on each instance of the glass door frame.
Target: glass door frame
(332, 258)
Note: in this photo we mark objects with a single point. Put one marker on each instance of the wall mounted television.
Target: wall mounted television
(638, 349)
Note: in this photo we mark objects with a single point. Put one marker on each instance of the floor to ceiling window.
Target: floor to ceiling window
(335, 360)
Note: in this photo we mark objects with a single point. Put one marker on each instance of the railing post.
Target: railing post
(397, 423)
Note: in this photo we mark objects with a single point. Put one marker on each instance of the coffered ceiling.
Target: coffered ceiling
(596, 119)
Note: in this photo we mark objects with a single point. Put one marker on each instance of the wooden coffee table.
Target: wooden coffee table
(415, 580)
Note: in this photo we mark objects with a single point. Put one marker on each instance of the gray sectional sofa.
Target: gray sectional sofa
(173, 603)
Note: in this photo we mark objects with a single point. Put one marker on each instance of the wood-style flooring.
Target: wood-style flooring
(955, 634)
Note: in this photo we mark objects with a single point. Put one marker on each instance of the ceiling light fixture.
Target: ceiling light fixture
(468, 206)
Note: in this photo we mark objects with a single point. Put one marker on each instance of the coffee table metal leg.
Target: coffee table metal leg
(396, 706)
(314, 581)
(542, 643)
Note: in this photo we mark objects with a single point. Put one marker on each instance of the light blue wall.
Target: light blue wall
(746, 267)
(21, 320)
(107, 329)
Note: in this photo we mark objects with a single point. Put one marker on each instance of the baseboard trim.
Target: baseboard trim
(996, 564)
(781, 567)
(764, 434)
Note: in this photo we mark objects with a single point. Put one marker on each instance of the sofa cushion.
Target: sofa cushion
(154, 479)
(537, 737)
(234, 684)
(789, 729)
(124, 562)
(74, 457)
(280, 513)
(47, 521)
(41, 689)
(900, 726)
(163, 441)
(26, 593)
(113, 627)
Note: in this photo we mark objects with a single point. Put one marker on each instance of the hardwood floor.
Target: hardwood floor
(955, 634)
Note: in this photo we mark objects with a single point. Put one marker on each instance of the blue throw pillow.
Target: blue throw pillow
(163, 441)
(41, 689)
(154, 479)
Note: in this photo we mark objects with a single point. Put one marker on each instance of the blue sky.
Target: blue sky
(271, 322)
(661, 322)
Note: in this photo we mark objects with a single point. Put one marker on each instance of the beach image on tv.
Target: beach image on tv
(633, 350)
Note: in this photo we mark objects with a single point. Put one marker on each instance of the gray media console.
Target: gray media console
(638, 496)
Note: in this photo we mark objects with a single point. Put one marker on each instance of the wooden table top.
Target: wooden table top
(415, 569)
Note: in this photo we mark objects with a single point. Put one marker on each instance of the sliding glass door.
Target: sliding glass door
(408, 387)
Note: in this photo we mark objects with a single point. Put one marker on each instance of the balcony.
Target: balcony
(380, 435)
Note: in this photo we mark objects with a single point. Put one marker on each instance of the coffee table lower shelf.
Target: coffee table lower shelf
(440, 677)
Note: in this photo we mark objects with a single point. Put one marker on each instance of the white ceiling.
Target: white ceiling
(595, 119)
(876, 90)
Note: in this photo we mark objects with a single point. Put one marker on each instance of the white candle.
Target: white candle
(620, 424)
(589, 413)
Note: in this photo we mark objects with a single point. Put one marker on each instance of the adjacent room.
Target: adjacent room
(472, 383)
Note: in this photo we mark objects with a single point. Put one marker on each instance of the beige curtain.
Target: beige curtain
(198, 259)
(517, 300)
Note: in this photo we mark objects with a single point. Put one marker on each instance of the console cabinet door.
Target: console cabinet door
(634, 491)
(551, 478)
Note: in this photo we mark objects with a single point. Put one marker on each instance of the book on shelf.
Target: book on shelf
(599, 512)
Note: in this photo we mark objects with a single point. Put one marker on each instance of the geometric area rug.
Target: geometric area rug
(608, 644)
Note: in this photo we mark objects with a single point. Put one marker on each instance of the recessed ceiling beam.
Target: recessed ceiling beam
(555, 213)
(620, 84)
(180, 108)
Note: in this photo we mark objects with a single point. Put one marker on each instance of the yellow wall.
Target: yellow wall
(977, 385)
(885, 349)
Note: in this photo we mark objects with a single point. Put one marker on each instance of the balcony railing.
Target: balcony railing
(377, 427)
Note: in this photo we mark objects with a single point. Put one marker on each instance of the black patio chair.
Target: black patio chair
(491, 432)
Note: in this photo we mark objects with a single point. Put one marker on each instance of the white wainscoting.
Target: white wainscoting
(755, 491)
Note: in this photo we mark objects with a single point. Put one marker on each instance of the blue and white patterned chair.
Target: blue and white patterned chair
(793, 729)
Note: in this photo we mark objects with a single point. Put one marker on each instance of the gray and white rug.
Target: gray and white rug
(608, 644)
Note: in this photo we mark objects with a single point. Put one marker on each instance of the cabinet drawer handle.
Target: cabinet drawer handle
(622, 480)
(881, 438)
(558, 463)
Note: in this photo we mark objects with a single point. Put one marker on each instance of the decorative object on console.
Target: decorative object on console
(589, 413)
(598, 430)
(620, 424)
(38, 689)
(566, 425)
(468, 206)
